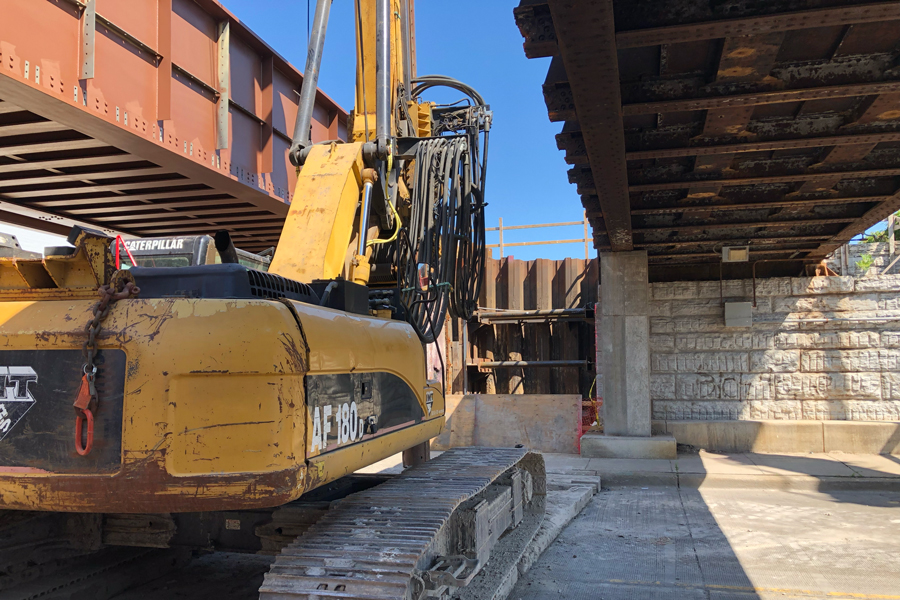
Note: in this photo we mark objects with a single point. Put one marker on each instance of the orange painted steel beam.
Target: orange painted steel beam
(129, 91)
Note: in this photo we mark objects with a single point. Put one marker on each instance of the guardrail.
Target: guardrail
(586, 240)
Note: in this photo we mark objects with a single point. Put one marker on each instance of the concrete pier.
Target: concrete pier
(624, 344)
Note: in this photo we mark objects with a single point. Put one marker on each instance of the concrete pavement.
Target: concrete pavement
(716, 527)
(666, 542)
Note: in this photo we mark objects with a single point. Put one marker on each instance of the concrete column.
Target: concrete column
(624, 349)
(625, 343)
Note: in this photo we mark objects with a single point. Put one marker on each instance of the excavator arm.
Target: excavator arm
(400, 206)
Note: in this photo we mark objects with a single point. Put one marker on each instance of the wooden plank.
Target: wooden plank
(567, 333)
(515, 289)
(108, 159)
(544, 271)
(540, 334)
(485, 337)
(743, 59)
(587, 331)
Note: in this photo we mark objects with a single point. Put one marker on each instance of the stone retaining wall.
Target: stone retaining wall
(781, 367)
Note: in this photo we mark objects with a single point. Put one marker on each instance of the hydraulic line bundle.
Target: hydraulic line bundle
(442, 247)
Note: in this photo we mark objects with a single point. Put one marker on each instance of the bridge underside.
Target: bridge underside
(692, 125)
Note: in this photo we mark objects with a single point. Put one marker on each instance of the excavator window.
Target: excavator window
(183, 260)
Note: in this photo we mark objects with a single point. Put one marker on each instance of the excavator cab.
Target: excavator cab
(183, 251)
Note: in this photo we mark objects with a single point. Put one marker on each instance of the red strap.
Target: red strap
(89, 438)
(83, 399)
(127, 251)
(83, 413)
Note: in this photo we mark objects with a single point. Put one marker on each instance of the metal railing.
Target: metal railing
(586, 239)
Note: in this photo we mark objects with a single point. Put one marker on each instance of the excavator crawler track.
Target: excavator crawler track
(380, 544)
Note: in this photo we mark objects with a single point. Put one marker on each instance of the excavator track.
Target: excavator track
(381, 543)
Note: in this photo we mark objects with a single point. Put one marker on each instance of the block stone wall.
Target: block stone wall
(784, 366)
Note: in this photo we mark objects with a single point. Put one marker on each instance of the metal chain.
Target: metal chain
(100, 311)
(86, 402)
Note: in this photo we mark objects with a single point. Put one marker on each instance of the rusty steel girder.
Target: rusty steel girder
(749, 114)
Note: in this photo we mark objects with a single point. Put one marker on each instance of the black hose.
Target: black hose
(441, 251)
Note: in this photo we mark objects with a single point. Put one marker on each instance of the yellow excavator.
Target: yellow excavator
(222, 407)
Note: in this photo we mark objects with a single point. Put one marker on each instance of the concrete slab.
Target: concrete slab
(611, 466)
(818, 465)
(871, 465)
(749, 436)
(788, 436)
(561, 463)
(558, 482)
(861, 438)
(806, 472)
(623, 328)
(681, 544)
(854, 437)
(707, 463)
(595, 445)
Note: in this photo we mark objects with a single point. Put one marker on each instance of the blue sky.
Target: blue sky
(477, 42)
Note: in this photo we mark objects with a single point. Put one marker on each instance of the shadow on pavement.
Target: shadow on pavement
(840, 476)
(648, 543)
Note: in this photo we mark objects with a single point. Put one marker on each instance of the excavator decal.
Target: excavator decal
(15, 396)
(346, 408)
(36, 413)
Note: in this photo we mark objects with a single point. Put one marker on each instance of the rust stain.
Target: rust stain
(298, 360)
(144, 486)
(315, 476)
(744, 52)
(736, 72)
(186, 431)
